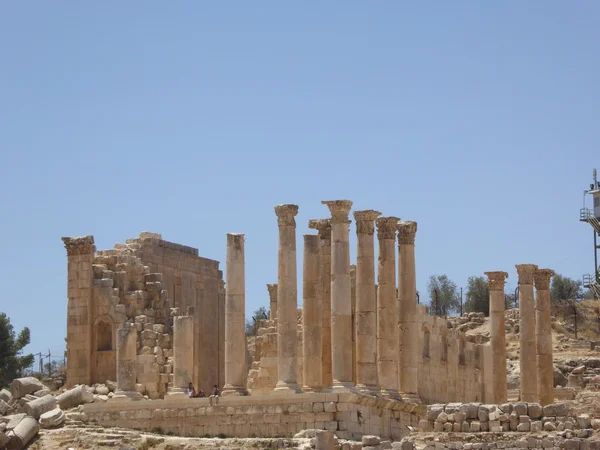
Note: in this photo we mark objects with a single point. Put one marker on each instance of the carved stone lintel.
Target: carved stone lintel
(365, 221)
(285, 214)
(407, 229)
(79, 245)
(323, 226)
(386, 227)
(496, 280)
(541, 278)
(339, 210)
(525, 272)
(272, 288)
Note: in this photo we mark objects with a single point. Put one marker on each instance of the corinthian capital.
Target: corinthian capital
(525, 272)
(541, 278)
(285, 214)
(272, 288)
(79, 245)
(365, 221)
(386, 227)
(323, 226)
(496, 280)
(339, 210)
(407, 231)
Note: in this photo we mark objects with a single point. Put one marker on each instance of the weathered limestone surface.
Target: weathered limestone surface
(20, 387)
(312, 322)
(387, 308)
(527, 340)
(323, 226)
(407, 310)
(366, 302)
(127, 339)
(24, 432)
(498, 334)
(287, 299)
(37, 407)
(235, 317)
(75, 396)
(545, 368)
(183, 358)
(341, 306)
(272, 289)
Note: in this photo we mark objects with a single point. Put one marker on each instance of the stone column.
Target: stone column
(324, 228)
(287, 299)
(80, 255)
(341, 307)
(235, 317)
(183, 358)
(366, 302)
(312, 321)
(497, 335)
(353, 318)
(527, 341)
(272, 288)
(387, 309)
(407, 310)
(543, 336)
(127, 340)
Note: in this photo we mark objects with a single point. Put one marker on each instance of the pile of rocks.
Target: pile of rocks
(509, 442)
(466, 322)
(578, 373)
(475, 417)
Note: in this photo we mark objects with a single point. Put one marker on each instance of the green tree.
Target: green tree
(251, 325)
(12, 362)
(443, 294)
(478, 295)
(564, 288)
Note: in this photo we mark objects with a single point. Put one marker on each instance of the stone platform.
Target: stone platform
(350, 415)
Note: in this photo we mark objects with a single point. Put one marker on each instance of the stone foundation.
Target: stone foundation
(349, 415)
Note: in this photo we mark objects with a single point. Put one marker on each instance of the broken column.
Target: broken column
(341, 307)
(272, 288)
(497, 335)
(543, 336)
(80, 255)
(183, 358)
(527, 341)
(387, 314)
(287, 299)
(312, 321)
(407, 310)
(235, 317)
(323, 226)
(127, 337)
(366, 302)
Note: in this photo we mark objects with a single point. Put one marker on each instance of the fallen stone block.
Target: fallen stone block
(556, 409)
(5, 395)
(20, 387)
(4, 407)
(534, 410)
(102, 390)
(111, 385)
(584, 421)
(41, 392)
(77, 416)
(74, 397)
(54, 418)
(24, 432)
(369, 440)
(14, 420)
(324, 440)
(39, 406)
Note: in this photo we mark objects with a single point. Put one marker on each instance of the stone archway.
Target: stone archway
(104, 355)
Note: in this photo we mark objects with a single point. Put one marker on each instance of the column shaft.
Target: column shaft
(272, 288)
(545, 368)
(498, 335)
(287, 299)
(312, 320)
(183, 358)
(527, 340)
(127, 363)
(387, 314)
(235, 317)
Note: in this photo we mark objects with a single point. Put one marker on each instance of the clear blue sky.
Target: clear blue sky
(479, 120)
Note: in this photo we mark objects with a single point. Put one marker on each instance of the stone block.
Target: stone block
(475, 426)
(534, 410)
(536, 425)
(448, 426)
(556, 409)
(524, 419)
(465, 427)
(330, 407)
(438, 427)
(434, 411)
(549, 426)
(523, 426)
(584, 421)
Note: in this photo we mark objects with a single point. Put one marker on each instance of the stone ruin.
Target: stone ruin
(361, 357)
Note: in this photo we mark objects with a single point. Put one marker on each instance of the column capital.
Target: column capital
(365, 221)
(272, 288)
(407, 230)
(339, 210)
(323, 226)
(541, 278)
(525, 273)
(386, 227)
(285, 214)
(79, 245)
(496, 280)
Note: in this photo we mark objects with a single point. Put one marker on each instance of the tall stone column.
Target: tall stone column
(272, 288)
(183, 358)
(312, 321)
(366, 302)
(235, 317)
(407, 310)
(341, 306)
(287, 300)
(543, 335)
(387, 310)
(80, 255)
(127, 338)
(527, 341)
(498, 334)
(324, 228)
